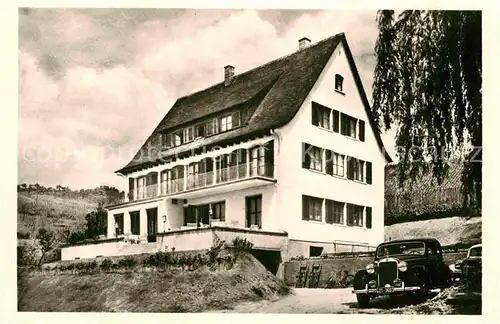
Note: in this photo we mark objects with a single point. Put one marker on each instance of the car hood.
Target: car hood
(405, 258)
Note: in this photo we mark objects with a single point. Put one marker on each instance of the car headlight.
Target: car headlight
(370, 268)
(402, 266)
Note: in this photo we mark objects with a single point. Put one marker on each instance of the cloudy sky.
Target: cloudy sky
(93, 84)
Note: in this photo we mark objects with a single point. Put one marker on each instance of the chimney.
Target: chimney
(228, 74)
(303, 42)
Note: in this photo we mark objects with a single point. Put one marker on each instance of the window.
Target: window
(211, 127)
(368, 220)
(334, 212)
(135, 224)
(358, 170)
(131, 186)
(199, 130)
(312, 158)
(339, 80)
(355, 169)
(226, 123)
(254, 211)
(348, 125)
(320, 115)
(166, 140)
(354, 215)
(338, 164)
(312, 208)
(188, 134)
(193, 172)
(334, 163)
(219, 211)
(141, 183)
(119, 224)
(177, 139)
(315, 251)
(351, 127)
(258, 160)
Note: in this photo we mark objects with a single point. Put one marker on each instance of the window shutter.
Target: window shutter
(329, 211)
(350, 167)
(368, 217)
(306, 158)
(305, 207)
(335, 117)
(343, 124)
(329, 162)
(368, 172)
(361, 130)
(315, 115)
(236, 119)
(349, 214)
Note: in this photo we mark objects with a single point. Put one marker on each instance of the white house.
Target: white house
(286, 155)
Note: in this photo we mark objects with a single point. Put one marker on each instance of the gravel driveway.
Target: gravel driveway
(306, 300)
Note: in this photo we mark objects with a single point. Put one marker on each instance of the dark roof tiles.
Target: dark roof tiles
(272, 94)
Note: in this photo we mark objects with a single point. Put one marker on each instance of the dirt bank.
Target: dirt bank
(172, 290)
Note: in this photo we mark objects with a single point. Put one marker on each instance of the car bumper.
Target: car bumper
(385, 290)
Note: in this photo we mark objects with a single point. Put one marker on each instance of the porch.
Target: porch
(189, 239)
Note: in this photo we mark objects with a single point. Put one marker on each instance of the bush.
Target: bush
(106, 265)
(241, 244)
(76, 237)
(215, 250)
(26, 255)
(127, 262)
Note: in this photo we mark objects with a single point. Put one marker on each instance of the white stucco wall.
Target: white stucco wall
(235, 206)
(88, 251)
(141, 207)
(294, 181)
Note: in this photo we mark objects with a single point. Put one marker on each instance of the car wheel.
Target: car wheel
(363, 300)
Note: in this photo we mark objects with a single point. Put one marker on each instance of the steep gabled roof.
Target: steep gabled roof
(272, 94)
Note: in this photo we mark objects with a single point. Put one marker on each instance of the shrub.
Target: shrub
(91, 265)
(81, 266)
(215, 250)
(25, 255)
(241, 244)
(106, 265)
(127, 262)
(157, 259)
(76, 237)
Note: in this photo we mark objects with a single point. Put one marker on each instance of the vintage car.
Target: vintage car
(404, 267)
(470, 267)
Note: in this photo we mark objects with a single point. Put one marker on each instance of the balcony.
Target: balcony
(240, 176)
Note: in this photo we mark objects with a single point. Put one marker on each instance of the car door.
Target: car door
(440, 272)
(433, 263)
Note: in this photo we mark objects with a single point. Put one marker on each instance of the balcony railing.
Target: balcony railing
(203, 180)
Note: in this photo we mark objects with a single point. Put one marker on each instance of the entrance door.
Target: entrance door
(152, 224)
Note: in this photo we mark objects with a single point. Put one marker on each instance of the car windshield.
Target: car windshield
(403, 248)
(475, 252)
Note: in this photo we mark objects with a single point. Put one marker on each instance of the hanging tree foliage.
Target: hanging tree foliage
(427, 84)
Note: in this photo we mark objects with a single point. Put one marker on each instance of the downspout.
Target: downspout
(278, 136)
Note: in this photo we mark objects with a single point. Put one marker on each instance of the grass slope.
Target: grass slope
(52, 212)
(169, 291)
(448, 231)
